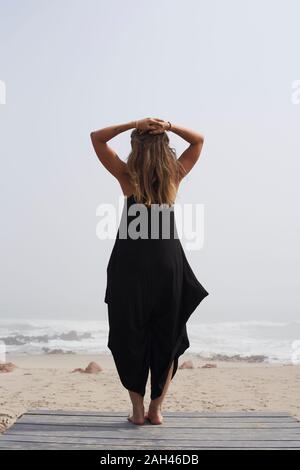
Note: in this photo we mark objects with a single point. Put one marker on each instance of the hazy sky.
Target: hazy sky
(225, 69)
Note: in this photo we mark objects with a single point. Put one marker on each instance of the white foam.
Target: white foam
(273, 340)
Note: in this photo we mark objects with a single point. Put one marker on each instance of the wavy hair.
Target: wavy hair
(153, 168)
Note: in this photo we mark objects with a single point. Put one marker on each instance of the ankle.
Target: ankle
(138, 407)
(155, 407)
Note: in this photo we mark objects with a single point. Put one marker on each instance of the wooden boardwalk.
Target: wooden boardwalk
(46, 429)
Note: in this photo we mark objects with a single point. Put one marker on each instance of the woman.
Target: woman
(151, 289)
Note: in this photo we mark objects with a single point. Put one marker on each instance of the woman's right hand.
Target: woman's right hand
(150, 125)
(161, 126)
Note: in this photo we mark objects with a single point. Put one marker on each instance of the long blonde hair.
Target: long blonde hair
(153, 168)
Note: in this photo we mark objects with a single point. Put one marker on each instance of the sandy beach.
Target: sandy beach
(47, 381)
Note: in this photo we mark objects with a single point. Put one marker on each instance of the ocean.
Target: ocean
(250, 341)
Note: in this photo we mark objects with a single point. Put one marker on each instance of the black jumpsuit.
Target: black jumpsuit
(151, 292)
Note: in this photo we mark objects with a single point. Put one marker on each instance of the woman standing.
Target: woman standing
(151, 289)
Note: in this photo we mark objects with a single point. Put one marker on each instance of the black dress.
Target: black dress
(151, 292)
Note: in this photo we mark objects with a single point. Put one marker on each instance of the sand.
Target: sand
(46, 381)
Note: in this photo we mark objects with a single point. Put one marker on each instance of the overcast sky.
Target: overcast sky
(225, 69)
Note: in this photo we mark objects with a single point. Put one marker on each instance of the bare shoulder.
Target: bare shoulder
(125, 183)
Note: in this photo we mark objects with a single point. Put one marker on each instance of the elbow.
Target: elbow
(93, 141)
(93, 138)
(199, 140)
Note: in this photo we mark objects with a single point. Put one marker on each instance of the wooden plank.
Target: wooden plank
(60, 429)
(148, 431)
(207, 445)
(170, 414)
(55, 446)
(185, 438)
(119, 427)
(94, 420)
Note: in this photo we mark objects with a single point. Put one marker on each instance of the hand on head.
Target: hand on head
(152, 126)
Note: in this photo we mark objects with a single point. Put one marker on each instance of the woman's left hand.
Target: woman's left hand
(150, 124)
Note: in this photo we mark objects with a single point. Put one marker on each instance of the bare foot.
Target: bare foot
(154, 416)
(137, 416)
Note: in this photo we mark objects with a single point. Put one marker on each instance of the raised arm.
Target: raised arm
(107, 156)
(190, 156)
